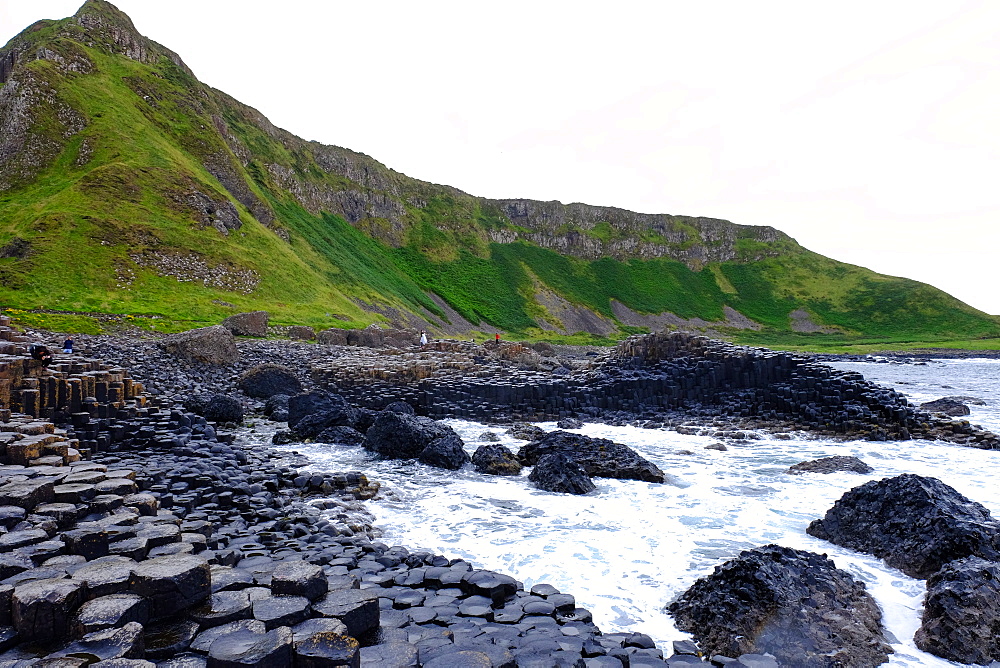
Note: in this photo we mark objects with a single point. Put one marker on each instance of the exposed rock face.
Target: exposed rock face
(401, 436)
(216, 407)
(247, 324)
(948, 406)
(962, 612)
(916, 524)
(831, 464)
(267, 380)
(496, 460)
(599, 457)
(790, 603)
(311, 413)
(555, 472)
(212, 345)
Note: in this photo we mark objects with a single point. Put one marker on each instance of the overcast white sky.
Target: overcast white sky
(868, 130)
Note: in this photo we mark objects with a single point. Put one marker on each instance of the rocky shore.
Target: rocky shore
(136, 531)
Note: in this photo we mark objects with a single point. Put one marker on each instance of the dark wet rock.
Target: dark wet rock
(721, 447)
(42, 609)
(570, 423)
(112, 611)
(557, 473)
(203, 641)
(299, 578)
(28, 493)
(946, 405)
(253, 323)
(357, 608)
(211, 345)
(975, 401)
(962, 612)
(268, 380)
(172, 583)
(107, 575)
(402, 436)
(446, 453)
(489, 437)
(326, 650)
(318, 625)
(185, 660)
(391, 654)
(526, 432)
(244, 648)
(341, 436)
(496, 460)
(126, 642)
(312, 412)
(277, 611)
(216, 407)
(276, 407)
(914, 523)
(222, 608)
(831, 465)
(599, 457)
(790, 603)
(168, 639)
(400, 407)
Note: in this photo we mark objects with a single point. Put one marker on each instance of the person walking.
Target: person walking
(68, 345)
(423, 338)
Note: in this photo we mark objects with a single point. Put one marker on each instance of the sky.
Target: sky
(867, 130)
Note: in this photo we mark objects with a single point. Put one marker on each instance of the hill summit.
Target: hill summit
(127, 186)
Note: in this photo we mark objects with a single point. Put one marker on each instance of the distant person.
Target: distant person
(498, 337)
(68, 345)
(423, 338)
(41, 353)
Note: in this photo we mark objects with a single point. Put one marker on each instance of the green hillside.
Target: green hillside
(128, 187)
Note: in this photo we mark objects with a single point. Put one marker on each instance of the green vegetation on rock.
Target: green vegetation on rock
(132, 189)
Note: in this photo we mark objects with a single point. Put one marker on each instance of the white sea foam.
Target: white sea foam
(628, 549)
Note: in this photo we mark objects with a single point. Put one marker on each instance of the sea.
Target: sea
(628, 549)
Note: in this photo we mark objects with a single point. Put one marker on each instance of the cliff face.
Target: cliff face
(177, 199)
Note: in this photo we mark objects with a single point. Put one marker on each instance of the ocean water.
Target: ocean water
(628, 549)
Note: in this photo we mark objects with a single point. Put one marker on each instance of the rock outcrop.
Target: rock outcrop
(790, 603)
(914, 523)
(212, 345)
(253, 323)
(267, 380)
(830, 465)
(555, 472)
(401, 436)
(598, 457)
(962, 612)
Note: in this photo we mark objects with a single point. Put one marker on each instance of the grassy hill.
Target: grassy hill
(129, 188)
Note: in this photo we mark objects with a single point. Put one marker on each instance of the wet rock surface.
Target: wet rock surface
(831, 465)
(962, 612)
(793, 604)
(598, 457)
(914, 523)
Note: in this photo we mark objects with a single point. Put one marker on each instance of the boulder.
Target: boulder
(946, 405)
(569, 423)
(962, 612)
(496, 460)
(215, 407)
(312, 412)
(371, 337)
(446, 453)
(526, 432)
(301, 333)
(211, 345)
(793, 604)
(332, 337)
(253, 323)
(400, 407)
(276, 407)
(599, 457)
(340, 435)
(830, 465)
(267, 380)
(558, 473)
(915, 523)
(402, 436)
